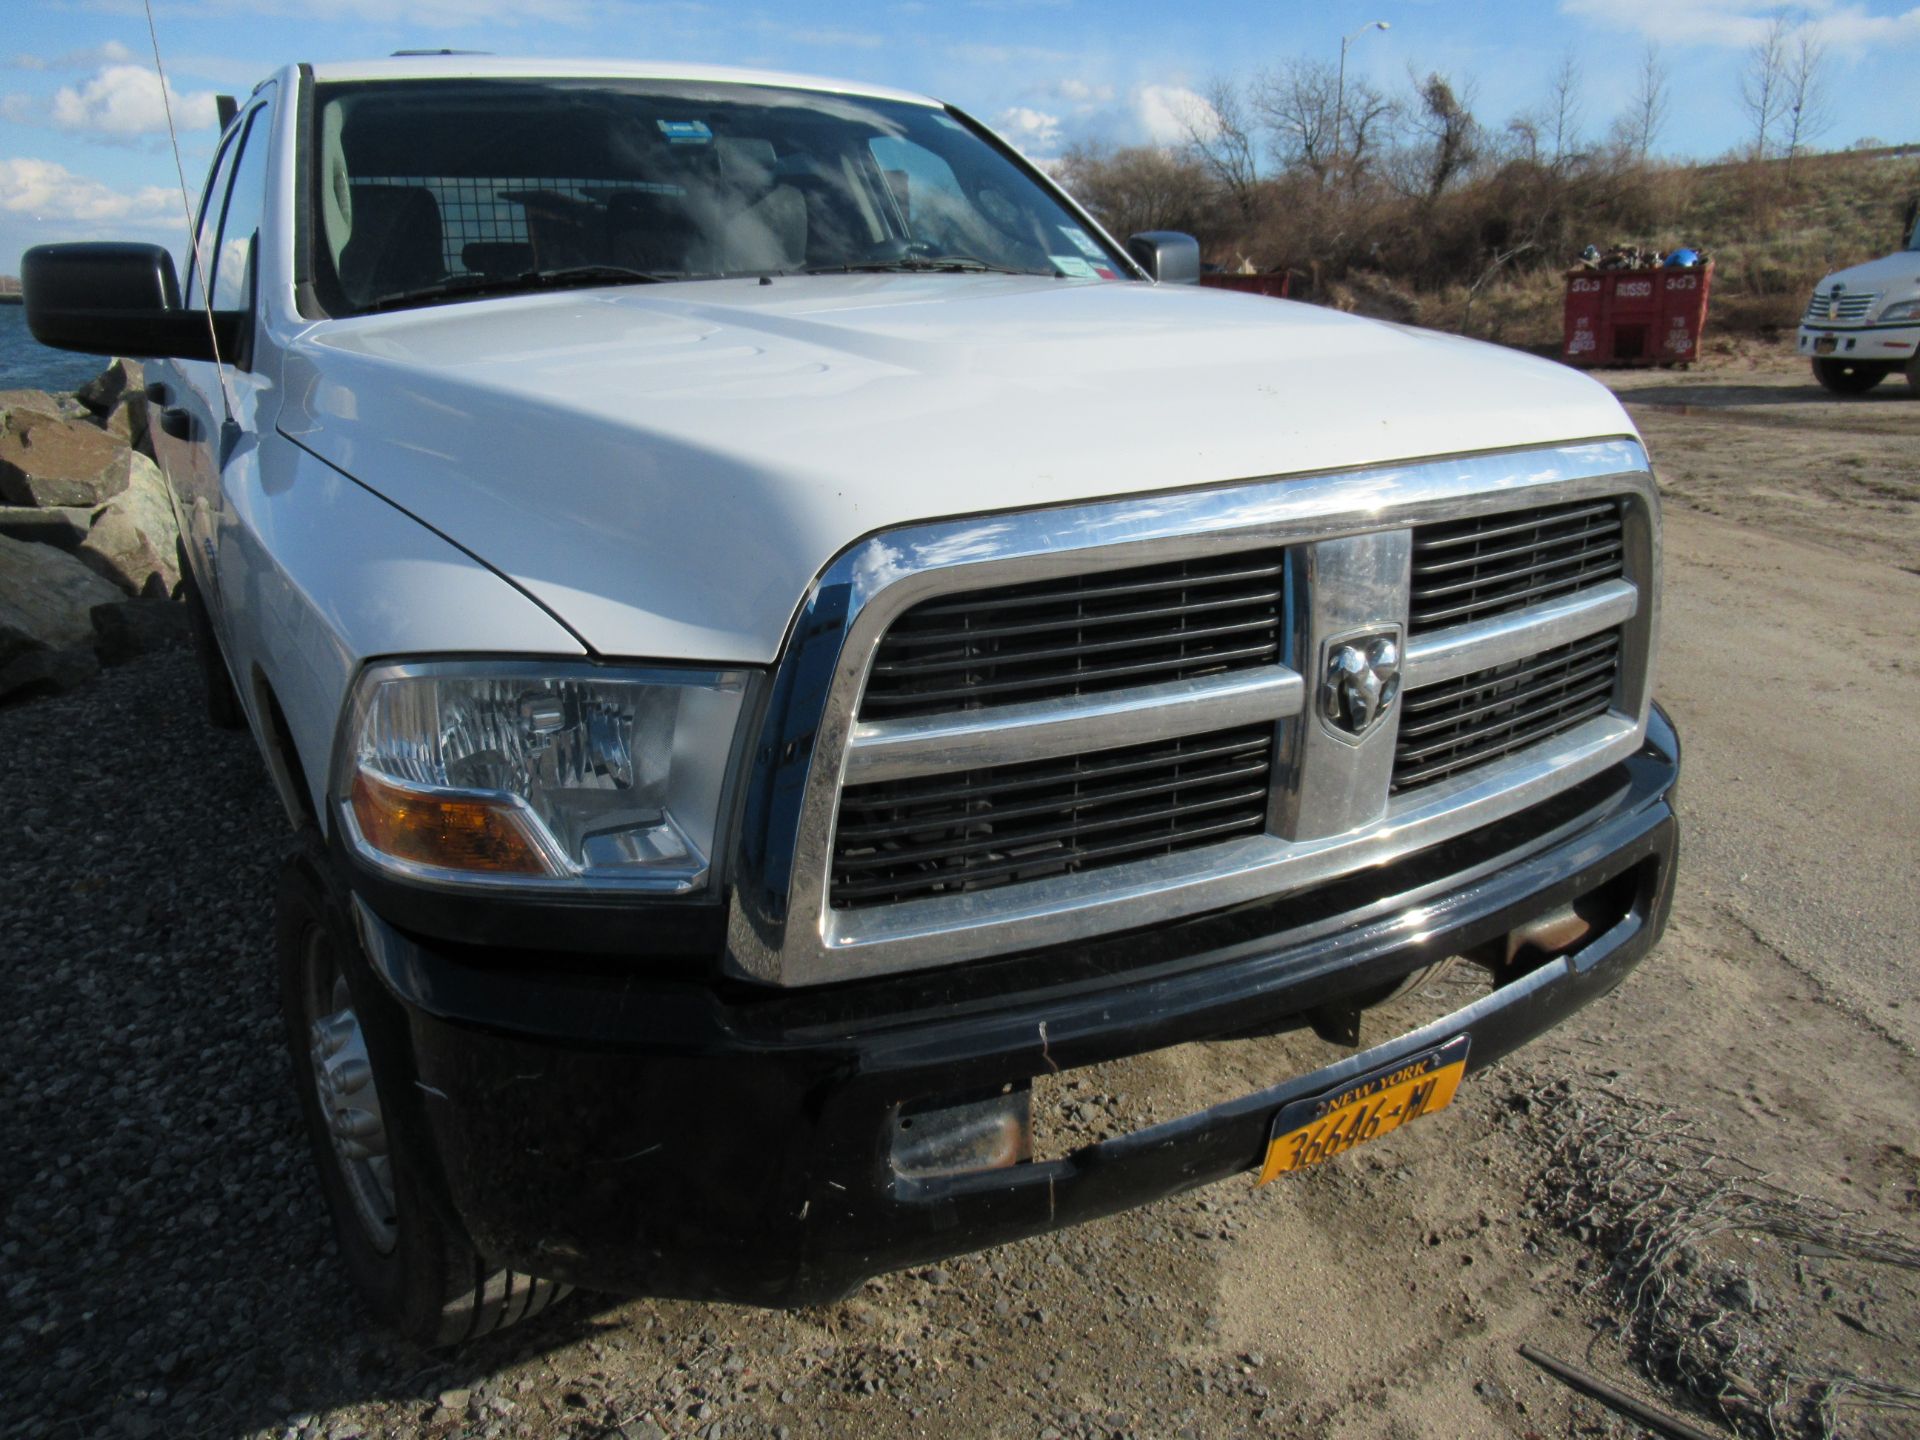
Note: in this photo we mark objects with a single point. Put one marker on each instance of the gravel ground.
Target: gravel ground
(158, 1203)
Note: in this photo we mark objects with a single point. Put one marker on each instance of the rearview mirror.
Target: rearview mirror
(120, 299)
(1167, 255)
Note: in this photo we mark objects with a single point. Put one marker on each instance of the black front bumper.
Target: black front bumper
(673, 1137)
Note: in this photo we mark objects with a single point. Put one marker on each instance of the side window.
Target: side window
(211, 201)
(232, 260)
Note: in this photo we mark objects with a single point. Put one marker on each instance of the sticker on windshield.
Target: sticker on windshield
(685, 132)
(1083, 242)
(1073, 265)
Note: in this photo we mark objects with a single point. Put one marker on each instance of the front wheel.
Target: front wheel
(411, 1265)
(1849, 377)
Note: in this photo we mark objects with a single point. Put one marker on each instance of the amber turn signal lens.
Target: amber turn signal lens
(448, 833)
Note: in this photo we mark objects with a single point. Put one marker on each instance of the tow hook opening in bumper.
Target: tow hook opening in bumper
(1564, 930)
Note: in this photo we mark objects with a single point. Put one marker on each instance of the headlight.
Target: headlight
(539, 774)
(1901, 310)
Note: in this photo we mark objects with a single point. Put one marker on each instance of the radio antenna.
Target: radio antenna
(186, 210)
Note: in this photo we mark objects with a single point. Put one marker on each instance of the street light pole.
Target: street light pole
(1340, 93)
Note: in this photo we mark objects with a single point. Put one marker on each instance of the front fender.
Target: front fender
(320, 575)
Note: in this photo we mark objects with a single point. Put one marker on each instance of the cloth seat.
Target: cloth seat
(394, 244)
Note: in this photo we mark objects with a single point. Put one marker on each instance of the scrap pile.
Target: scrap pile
(1642, 257)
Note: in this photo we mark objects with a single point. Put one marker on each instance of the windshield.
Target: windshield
(433, 189)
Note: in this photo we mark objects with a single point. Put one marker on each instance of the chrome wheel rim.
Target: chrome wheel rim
(349, 1100)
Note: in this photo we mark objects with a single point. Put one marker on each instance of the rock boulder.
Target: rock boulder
(49, 461)
(46, 672)
(47, 597)
(117, 398)
(62, 525)
(134, 541)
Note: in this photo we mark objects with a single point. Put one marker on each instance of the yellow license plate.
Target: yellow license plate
(1320, 1127)
(1825, 344)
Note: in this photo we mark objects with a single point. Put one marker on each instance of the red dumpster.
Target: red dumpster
(1635, 317)
(1683, 312)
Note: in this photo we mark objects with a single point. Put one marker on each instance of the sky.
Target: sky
(84, 154)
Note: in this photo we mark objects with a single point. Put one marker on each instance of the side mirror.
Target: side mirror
(1167, 255)
(120, 299)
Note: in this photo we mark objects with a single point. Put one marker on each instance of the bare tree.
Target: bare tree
(1646, 115)
(1523, 131)
(1142, 187)
(1562, 114)
(1370, 118)
(1220, 135)
(1300, 107)
(1296, 103)
(1445, 118)
(1763, 84)
(1808, 112)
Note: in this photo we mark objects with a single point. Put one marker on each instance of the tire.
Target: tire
(411, 1264)
(221, 699)
(1913, 375)
(1849, 377)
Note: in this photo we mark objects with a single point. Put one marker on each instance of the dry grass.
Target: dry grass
(1772, 237)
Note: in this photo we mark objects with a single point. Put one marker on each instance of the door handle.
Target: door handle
(177, 423)
(157, 393)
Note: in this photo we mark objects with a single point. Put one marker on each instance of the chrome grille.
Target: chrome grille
(912, 828)
(1845, 309)
(1079, 635)
(1461, 724)
(907, 839)
(1468, 570)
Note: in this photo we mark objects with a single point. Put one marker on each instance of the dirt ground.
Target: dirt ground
(1705, 1189)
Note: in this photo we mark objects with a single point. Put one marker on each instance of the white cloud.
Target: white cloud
(123, 101)
(1082, 92)
(1168, 114)
(1738, 23)
(1032, 132)
(44, 190)
(109, 53)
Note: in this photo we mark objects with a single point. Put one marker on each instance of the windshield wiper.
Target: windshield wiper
(921, 263)
(556, 279)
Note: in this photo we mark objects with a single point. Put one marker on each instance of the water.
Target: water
(26, 364)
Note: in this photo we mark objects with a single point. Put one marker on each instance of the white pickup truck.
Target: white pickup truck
(778, 638)
(1863, 323)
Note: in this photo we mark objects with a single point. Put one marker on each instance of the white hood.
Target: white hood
(1893, 277)
(668, 467)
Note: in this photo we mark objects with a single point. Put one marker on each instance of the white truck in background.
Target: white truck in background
(1863, 323)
